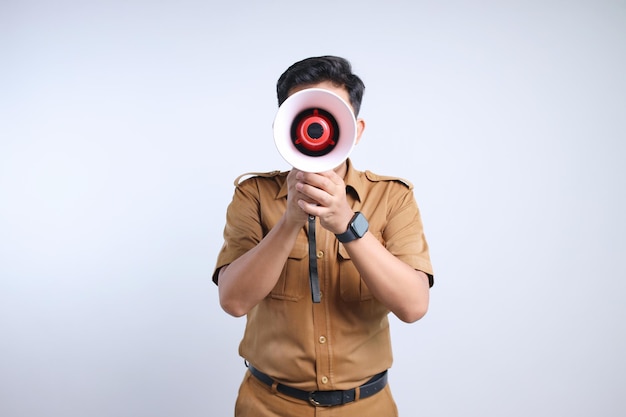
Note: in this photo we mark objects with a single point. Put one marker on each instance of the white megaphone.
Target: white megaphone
(315, 130)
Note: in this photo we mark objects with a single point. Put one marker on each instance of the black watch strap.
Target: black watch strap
(357, 228)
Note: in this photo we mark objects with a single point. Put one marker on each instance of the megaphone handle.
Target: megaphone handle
(313, 277)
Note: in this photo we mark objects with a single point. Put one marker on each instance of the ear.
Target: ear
(360, 127)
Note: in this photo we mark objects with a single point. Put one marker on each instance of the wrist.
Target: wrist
(291, 224)
(357, 227)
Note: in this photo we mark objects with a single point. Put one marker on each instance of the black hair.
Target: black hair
(319, 69)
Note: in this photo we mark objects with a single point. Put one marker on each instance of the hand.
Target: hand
(294, 214)
(324, 197)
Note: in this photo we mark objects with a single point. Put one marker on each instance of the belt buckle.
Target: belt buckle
(314, 402)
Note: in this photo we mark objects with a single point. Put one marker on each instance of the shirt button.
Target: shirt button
(322, 339)
(324, 380)
(320, 254)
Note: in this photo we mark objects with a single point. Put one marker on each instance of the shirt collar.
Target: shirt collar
(354, 181)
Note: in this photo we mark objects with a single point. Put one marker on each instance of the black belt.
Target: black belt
(326, 398)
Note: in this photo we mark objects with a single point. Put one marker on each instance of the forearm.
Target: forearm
(247, 280)
(394, 283)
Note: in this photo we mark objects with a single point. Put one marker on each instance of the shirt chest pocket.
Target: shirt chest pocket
(351, 285)
(293, 283)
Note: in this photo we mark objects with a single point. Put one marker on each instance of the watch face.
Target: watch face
(360, 225)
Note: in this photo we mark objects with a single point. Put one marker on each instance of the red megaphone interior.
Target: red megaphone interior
(315, 132)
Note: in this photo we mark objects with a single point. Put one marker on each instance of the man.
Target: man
(329, 355)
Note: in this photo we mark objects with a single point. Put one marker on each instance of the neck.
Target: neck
(342, 169)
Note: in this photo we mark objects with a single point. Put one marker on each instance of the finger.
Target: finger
(332, 175)
(313, 194)
(310, 208)
(317, 180)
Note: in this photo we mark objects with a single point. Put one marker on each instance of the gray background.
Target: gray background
(124, 123)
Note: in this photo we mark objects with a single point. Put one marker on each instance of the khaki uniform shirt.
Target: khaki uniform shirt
(342, 341)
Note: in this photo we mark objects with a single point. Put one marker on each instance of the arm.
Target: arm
(246, 281)
(402, 289)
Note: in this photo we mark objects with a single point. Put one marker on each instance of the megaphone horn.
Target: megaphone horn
(315, 130)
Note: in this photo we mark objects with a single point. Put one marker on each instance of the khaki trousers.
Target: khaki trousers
(256, 399)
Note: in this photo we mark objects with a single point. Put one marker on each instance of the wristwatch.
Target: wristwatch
(356, 228)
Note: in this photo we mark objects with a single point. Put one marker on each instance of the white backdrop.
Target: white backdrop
(124, 123)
